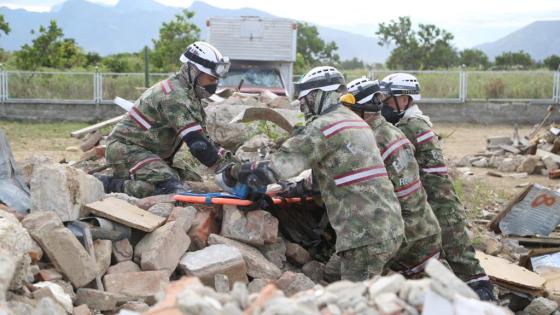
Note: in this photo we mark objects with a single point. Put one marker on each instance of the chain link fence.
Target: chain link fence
(438, 86)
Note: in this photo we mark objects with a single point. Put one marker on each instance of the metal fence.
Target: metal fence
(437, 86)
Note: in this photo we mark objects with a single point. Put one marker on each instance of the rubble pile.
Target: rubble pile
(81, 251)
(516, 157)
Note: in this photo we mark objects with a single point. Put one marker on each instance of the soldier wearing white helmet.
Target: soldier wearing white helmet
(402, 91)
(422, 232)
(337, 145)
(142, 146)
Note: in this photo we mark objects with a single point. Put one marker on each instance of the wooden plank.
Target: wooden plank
(537, 241)
(80, 133)
(124, 213)
(510, 275)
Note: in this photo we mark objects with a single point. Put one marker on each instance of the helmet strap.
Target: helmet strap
(321, 101)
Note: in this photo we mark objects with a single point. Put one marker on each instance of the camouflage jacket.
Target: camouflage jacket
(398, 155)
(161, 117)
(359, 198)
(433, 169)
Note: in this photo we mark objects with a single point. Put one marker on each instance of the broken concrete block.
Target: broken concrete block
(389, 303)
(103, 249)
(257, 285)
(48, 306)
(270, 235)
(540, 306)
(446, 283)
(332, 269)
(212, 260)
(184, 216)
(28, 165)
(257, 265)
(291, 283)
(41, 220)
(8, 265)
(386, 284)
(204, 224)
(550, 163)
(63, 189)
(162, 249)
(162, 209)
(55, 292)
(482, 162)
(81, 310)
(122, 250)
(16, 242)
(135, 306)
(249, 226)
(125, 266)
(67, 254)
(296, 254)
(49, 275)
(97, 300)
(275, 253)
(221, 282)
(314, 270)
(528, 164)
(508, 165)
(136, 284)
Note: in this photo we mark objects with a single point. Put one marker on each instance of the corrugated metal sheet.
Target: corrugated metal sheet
(536, 214)
(254, 38)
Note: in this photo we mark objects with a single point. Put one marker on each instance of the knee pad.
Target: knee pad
(201, 148)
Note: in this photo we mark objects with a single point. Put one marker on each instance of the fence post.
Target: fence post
(97, 91)
(463, 84)
(146, 68)
(556, 87)
(2, 85)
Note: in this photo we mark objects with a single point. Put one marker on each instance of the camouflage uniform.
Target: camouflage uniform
(456, 244)
(359, 198)
(422, 231)
(142, 145)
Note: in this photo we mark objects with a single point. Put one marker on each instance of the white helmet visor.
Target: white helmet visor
(219, 69)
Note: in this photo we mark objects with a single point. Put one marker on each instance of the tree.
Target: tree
(4, 26)
(124, 62)
(174, 37)
(50, 49)
(428, 48)
(474, 58)
(92, 59)
(312, 50)
(552, 62)
(353, 63)
(514, 60)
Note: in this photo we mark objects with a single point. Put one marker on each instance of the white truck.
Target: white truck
(262, 52)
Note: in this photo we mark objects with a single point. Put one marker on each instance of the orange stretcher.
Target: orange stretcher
(231, 201)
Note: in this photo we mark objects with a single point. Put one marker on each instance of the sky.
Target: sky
(471, 21)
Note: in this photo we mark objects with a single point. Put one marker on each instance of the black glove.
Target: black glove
(255, 175)
(291, 189)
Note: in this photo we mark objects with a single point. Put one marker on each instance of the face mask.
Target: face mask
(211, 88)
(390, 115)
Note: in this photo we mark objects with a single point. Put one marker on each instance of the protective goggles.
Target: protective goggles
(220, 68)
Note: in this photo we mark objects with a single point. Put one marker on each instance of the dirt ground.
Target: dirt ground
(459, 140)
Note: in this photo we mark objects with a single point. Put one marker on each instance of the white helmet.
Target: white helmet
(206, 58)
(364, 89)
(325, 78)
(402, 84)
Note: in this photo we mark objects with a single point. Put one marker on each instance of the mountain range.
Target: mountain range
(131, 24)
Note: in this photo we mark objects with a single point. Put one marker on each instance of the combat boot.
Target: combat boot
(110, 183)
(171, 186)
(484, 289)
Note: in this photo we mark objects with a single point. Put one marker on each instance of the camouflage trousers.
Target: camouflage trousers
(365, 262)
(412, 255)
(141, 168)
(457, 247)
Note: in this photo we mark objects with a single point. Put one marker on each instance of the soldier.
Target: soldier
(141, 147)
(337, 145)
(422, 231)
(401, 91)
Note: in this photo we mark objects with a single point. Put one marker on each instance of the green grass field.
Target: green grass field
(480, 85)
